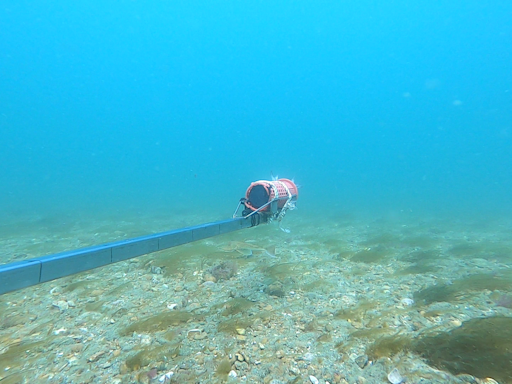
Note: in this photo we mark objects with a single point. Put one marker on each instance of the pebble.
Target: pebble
(308, 356)
(239, 357)
(361, 361)
(61, 304)
(232, 374)
(313, 379)
(209, 279)
(456, 323)
(295, 371)
(95, 357)
(200, 336)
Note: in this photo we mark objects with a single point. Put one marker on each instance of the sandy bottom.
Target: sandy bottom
(338, 299)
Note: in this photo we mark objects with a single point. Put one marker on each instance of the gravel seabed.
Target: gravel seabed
(256, 306)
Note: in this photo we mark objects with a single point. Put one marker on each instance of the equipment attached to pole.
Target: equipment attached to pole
(264, 202)
(269, 198)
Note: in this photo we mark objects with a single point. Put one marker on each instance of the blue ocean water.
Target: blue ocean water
(149, 105)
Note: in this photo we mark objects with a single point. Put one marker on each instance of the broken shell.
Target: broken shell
(166, 377)
(395, 377)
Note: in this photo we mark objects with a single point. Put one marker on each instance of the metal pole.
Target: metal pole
(23, 274)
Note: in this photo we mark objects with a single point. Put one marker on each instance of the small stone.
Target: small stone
(240, 331)
(313, 379)
(239, 357)
(123, 368)
(361, 361)
(295, 371)
(95, 357)
(61, 304)
(308, 356)
(456, 323)
(275, 289)
(207, 277)
(200, 336)
(241, 366)
(77, 348)
(152, 374)
(280, 354)
(261, 346)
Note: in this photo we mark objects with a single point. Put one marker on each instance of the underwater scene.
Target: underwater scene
(393, 123)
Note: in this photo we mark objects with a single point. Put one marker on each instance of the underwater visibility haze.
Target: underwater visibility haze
(364, 103)
(119, 119)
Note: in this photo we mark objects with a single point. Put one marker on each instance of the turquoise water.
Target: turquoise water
(147, 105)
(119, 119)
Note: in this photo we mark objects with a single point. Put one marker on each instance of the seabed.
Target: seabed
(339, 299)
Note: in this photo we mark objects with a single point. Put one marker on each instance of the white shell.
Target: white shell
(395, 377)
(407, 301)
(166, 377)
